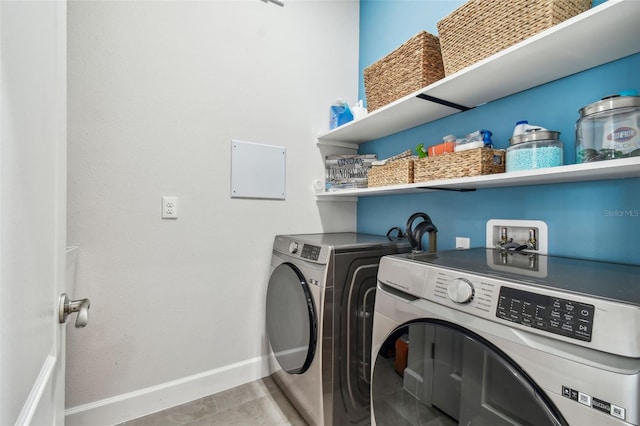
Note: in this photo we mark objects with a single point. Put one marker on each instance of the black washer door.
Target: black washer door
(435, 372)
(292, 325)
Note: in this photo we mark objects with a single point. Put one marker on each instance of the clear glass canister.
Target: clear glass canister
(534, 150)
(608, 129)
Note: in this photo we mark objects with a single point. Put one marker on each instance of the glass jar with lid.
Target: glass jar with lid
(535, 149)
(608, 129)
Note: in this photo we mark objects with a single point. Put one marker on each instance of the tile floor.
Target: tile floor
(256, 403)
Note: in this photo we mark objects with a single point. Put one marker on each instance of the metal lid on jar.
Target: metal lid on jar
(609, 103)
(535, 135)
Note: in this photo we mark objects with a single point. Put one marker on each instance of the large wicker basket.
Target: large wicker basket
(393, 173)
(472, 162)
(480, 28)
(415, 64)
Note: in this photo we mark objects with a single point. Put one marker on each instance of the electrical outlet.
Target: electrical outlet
(463, 243)
(530, 233)
(169, 207)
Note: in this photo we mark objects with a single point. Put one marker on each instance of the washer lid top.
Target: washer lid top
(610, 281)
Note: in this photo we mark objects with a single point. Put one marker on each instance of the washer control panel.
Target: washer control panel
(581, 318)
(560, 316)
(310, 252)
(299, 249)
(547, 313)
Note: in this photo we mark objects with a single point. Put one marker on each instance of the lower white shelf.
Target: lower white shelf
(602, 170)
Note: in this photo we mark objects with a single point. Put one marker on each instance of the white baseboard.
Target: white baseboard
(139, 403)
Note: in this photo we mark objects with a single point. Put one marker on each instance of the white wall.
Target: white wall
(157, 90)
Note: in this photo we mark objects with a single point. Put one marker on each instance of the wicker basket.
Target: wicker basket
(472, 162)
(415, 64)
(480, 28)
(393, 173)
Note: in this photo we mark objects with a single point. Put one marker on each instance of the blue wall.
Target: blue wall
(593, 220)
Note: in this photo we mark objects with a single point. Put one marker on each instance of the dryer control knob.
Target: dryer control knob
(293, 247)
(460, 290)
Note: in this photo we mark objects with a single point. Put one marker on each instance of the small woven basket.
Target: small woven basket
(480, 28)
(393, 173)
(472, 162)
(414, 65)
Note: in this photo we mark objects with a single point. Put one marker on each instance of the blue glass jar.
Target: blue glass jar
(534, 150)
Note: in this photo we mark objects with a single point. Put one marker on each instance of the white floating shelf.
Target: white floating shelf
(600, 35)
(601, 170)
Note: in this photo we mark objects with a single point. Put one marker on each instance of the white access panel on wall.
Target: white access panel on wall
(257, 170)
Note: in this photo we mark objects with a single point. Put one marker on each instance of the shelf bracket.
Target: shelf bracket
(443, 102)
(435, 188)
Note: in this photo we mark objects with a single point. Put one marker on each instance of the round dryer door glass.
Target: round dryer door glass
(291, 319)
(434, 372)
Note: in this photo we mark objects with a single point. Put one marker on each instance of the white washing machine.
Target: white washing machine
(484, 337)
(319, 319)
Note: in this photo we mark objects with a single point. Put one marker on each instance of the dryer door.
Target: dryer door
(292, 324)
(435, 371)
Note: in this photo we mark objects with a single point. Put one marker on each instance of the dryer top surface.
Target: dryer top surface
(345, 241)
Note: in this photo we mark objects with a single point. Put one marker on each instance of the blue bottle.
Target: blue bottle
(340, 114)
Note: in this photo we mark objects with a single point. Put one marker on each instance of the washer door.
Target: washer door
(434, 371)
(292, 325)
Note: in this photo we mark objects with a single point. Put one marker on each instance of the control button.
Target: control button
(584, 399)
(460, 291)
(566, 392)
(568, 327)
(516, 305)
(618, 412)
(584, 328)
(584, 312)
(293, 247)
(528, 309)
(574, 394)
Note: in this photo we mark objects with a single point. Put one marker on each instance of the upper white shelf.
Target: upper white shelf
(600, 170)
(603, 34)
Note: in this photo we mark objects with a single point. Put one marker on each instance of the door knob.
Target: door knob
(70, 306)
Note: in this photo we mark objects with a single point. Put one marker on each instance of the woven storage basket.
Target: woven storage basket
(480, 28)
(393, 173)
(472, 162)
(415, 64)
